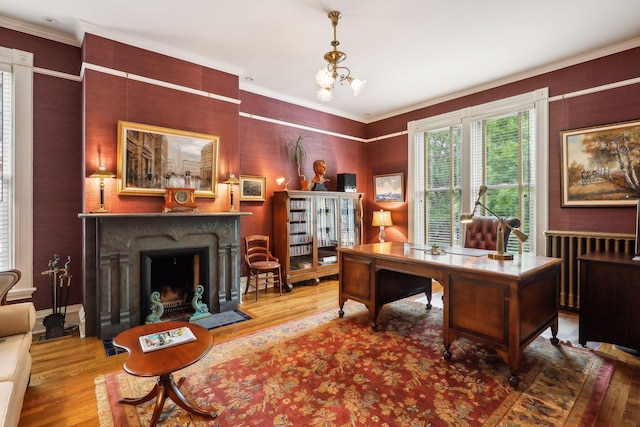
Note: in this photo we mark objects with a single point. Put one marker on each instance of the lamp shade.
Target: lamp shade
(381, 219)
(102, 172)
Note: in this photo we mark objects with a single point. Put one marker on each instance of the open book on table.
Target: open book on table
(165, 339)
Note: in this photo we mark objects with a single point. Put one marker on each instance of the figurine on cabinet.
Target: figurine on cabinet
(317, 183)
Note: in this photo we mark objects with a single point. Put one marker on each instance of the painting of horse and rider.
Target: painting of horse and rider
(601, 165)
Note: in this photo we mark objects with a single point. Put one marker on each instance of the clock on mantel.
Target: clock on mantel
(179, 200)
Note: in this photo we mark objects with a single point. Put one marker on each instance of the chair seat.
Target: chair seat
(264, 265)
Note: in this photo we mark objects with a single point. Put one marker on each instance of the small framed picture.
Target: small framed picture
(389, 187)
(252, 188)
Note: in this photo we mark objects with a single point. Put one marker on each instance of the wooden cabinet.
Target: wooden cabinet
(309, 226)
(609, 299)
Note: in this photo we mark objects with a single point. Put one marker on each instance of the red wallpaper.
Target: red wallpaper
(611, 106)
(66, 150)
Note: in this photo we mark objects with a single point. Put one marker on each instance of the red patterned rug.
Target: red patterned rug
(324, 371)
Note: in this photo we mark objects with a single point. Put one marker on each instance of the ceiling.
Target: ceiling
(410, 52)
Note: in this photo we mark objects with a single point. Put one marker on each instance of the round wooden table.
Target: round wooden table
(162, 363)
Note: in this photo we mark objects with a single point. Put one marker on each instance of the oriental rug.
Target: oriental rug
(325, 371)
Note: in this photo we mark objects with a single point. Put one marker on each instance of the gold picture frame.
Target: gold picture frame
(152, 158)
(388, 187)
(253, 188)
(600, 165)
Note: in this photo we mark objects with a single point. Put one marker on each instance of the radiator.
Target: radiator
(568, 245)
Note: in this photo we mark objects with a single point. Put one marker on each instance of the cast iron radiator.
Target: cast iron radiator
(568, 245)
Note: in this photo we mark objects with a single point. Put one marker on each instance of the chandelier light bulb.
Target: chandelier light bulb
(325, 94)
(324, 78)
(357, 85)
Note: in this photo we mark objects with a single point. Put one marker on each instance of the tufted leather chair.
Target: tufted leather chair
(482, 232)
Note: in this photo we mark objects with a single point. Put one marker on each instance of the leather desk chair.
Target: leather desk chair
(482, 232)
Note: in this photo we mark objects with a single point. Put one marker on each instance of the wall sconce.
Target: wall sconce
(381, 219)
(500, 253)
(102, 173)
(281, 180)
(232, 181)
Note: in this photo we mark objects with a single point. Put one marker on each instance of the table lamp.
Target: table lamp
(232, 181)
(102, 173)
(500, 253)
(381, 219)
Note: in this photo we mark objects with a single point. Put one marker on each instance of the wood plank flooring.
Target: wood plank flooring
(62, 393)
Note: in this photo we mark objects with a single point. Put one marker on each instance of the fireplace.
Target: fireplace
(174, 275)
(117, 247)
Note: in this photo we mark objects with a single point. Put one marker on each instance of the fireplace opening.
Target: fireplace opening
(175, 275)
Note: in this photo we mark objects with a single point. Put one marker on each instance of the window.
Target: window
(16, 224)
(6, 168)
(499, 145)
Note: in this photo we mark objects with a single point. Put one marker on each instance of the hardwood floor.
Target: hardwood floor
(61, 392)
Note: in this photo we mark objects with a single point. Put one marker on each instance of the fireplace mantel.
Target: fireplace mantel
(113, 243)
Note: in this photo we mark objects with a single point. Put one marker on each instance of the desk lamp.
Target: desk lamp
(500, 253)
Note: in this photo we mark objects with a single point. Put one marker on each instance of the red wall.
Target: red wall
(66, 152)
(57, 161)
(610, 106)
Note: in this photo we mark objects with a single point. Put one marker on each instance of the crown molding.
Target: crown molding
(38, 31)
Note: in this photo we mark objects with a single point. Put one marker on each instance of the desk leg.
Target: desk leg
(166, 387)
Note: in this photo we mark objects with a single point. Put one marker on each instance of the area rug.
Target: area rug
(214, 321)
(327, 371)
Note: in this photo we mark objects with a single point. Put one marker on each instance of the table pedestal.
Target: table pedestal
(166, 387)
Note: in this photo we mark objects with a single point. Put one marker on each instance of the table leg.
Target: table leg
(166, 387)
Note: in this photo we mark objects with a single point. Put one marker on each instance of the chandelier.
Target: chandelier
(326, 77)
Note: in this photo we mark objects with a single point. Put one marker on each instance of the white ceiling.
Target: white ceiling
(410, 52)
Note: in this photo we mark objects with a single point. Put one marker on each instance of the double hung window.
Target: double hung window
(498, 145)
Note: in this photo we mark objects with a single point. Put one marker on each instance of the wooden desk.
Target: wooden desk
(609, 299)
(162, 363)
(502, 304)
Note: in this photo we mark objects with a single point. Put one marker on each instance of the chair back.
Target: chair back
(257, 248)
(8, 279)
(482, 232)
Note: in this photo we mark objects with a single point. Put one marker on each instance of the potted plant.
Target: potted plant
(298, 156)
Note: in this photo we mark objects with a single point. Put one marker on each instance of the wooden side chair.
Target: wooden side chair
(8, 279)
(260, 261)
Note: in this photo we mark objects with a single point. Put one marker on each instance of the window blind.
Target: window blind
(6, 170)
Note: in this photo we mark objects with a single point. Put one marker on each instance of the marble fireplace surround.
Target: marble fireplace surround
(113, 243)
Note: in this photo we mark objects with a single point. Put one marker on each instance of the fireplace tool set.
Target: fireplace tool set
(60, 282)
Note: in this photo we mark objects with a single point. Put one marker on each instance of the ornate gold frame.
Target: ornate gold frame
(155, 158)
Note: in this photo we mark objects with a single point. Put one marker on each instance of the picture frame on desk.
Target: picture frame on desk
(153, 158)
(591, 159)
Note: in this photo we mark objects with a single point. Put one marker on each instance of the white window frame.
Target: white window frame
(21, 64)
(537, 99)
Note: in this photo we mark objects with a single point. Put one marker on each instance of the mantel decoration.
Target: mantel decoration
(500, 253)
(327, 76)
(152, 158)
(179, 200)
(102, 173)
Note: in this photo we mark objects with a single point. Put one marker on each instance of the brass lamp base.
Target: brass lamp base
(500, 256)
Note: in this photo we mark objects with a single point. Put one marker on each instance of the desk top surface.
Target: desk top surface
(455, 258)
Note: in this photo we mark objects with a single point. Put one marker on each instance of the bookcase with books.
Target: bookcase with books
(309, 226)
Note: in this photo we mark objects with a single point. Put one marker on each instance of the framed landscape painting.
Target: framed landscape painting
(601, 165)
(152, 158)
(389, 187)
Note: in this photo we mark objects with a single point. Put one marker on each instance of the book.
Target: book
(166, 339)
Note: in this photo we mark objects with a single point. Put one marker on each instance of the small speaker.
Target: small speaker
(347, 182)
